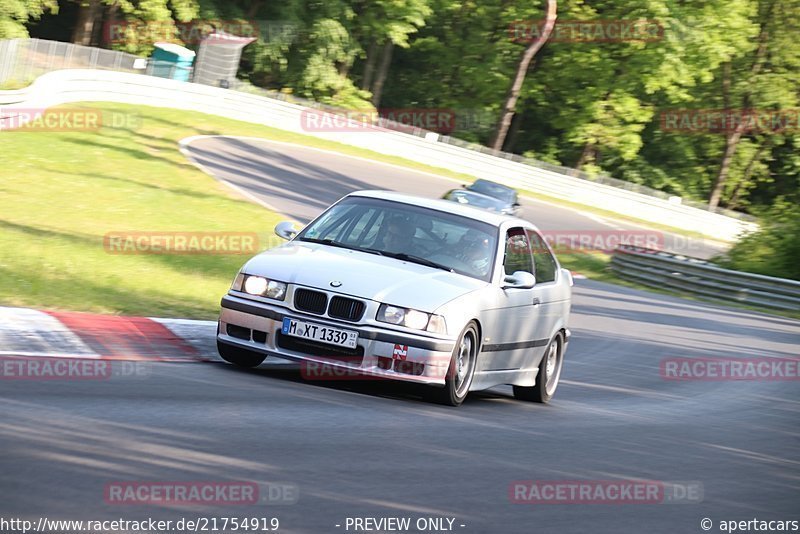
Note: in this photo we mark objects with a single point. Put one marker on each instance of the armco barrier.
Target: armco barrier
(662, 269)
(84, 85)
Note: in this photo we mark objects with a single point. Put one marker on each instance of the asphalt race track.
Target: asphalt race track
(300, 182)
(373, 449)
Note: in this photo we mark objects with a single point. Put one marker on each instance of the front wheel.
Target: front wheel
(240, 357)
(548, 376)
(461, 369)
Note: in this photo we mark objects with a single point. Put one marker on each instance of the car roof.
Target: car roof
(447, 206)
(485, 181)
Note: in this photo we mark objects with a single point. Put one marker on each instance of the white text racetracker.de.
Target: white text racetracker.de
(400, 524)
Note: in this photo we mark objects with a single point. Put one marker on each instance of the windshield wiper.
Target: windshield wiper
(418, 259)
(339, 244)
(372, 251)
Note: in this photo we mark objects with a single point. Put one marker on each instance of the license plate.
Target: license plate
(318, 332)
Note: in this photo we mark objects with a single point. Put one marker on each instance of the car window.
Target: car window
(494, 190)
(518, 252)
(364, 228)
(544, 262)
(332, 224)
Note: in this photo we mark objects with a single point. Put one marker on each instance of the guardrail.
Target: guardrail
(666, 270)
(81, 85)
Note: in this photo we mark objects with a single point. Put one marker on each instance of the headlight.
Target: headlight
(260, 286)
(411, 318)
(255, 285)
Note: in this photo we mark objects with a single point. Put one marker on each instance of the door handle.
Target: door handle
(536, 301)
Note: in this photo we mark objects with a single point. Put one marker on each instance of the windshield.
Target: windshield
(437, 239)
(476, 199)
(494, 190)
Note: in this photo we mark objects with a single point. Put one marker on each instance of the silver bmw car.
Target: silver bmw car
(400, 287)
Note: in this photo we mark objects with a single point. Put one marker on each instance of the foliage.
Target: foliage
(15, 13)
(774, 249)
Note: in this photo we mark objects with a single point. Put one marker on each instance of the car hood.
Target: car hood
(362, 275)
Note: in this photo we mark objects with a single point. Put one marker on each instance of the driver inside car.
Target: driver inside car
(476, 248)
(399, 235)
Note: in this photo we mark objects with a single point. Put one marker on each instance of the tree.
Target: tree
(462, 61)
(764, 79)
(597, 105)
(14, 14)
(90, 13)
(509, 107)
(774, 249)
(380, 25)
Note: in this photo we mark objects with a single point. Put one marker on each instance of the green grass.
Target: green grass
(11, 85)
(61, 192)
(594, 265)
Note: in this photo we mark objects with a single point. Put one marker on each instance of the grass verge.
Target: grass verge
(12, 85)
(62, 192)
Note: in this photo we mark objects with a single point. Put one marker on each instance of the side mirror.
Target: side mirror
(285, 230)
(566, 273)
(519, 280)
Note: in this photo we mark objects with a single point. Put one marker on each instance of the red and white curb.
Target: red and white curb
(33, 333)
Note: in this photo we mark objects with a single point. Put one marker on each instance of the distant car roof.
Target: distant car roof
(447, 206)
(494, 189)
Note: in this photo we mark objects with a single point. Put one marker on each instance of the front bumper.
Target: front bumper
(381, 352)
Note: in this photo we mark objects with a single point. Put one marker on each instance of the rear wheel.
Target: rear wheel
(548, 376)
(461, 369)
(240, 357)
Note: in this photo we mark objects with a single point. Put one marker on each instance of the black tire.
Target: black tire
(457, 383)
(546, 382)
(240, 357)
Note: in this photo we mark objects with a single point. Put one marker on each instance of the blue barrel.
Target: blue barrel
(170, 60)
